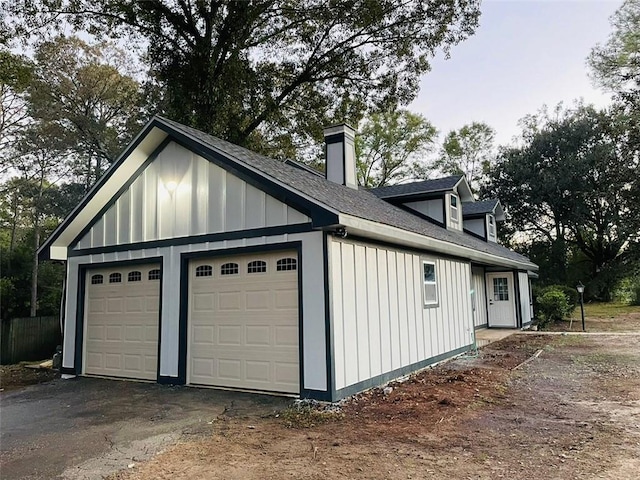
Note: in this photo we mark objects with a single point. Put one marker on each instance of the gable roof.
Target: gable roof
(483, 207)
(435, 185)
(299, 184)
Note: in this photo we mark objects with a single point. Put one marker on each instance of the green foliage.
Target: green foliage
(469, 151)
(390, 146)
(628, 291)
(83, 104)
(270, 72)
(571, 294)
(552, 306)
(616, 64)
(569, 184)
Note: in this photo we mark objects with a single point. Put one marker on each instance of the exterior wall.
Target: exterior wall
(430, 208)
(203, 198)
(479, 297)
(313, 301)
(475, 225)
(379, 323)
(525, 298)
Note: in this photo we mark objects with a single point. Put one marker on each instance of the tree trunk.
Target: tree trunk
(34, 268)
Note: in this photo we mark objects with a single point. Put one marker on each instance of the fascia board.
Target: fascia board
(386, 233)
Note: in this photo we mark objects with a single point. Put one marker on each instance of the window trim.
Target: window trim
(204, 270)
(229, 268)
(287, 264)
(134, 276)
(254, 265)
(436, 302)
(453, 205)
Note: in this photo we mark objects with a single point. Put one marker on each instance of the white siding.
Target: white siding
(431, 208)
(525, 297)
(312, 299)
(475, 225)
(206, 199)
(379, 321)
(479, 297)
(452, 223)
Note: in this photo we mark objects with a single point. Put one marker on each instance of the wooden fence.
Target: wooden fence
(33, 338)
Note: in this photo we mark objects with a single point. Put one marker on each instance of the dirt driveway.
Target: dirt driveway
(571, 413)
(88, 428)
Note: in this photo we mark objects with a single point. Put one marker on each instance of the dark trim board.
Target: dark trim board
(82, 288)
(328, 320)
(399, 372)
(207, 237)
(320, 216)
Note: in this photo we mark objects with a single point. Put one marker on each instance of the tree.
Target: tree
(390, 146)
(570, 184)
(259, 72)
(15, 76)
(468, 151)
(616, 64)
(89, 107)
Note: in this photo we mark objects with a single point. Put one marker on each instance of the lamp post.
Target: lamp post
(580, 288)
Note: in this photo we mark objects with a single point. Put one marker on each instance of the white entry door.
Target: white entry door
(501, 300)
(243, 322)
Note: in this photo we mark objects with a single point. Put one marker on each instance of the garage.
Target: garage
(243, 322)
(122, 321)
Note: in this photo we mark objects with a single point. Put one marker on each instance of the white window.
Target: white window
(453, 207)
(492, 226)
(430, 285)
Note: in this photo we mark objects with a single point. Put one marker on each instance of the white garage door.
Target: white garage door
(243, 322)
(121, 321)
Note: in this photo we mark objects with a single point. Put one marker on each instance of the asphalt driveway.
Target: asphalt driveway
(89, 427)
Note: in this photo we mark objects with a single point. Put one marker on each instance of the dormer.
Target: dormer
(439, 200)
(481, 218)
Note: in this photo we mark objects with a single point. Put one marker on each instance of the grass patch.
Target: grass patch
(605, 310)
(308, 415)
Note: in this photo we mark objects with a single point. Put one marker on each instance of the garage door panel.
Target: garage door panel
(254, 319)
(122, 323)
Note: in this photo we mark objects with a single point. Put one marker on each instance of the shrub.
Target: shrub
(573, 297)
(553, 306)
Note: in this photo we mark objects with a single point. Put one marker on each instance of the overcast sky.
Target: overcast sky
(524, 54)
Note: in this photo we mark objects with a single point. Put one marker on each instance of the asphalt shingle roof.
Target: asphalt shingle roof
(359, 203)
(479, 208)
(416, 188)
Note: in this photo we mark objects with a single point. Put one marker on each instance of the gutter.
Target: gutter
(367, 228)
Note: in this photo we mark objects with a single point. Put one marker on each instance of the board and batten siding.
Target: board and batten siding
(180, 194)
(313, 297)
(525, 298)
(379, 320)
(480, 297)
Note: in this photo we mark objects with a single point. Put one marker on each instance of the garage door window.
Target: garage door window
(134, 277)
(204, 271)
(257, 266)
(154, 274)
(229, 269)
(115, 278)
(97, 279)
(285, 264)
